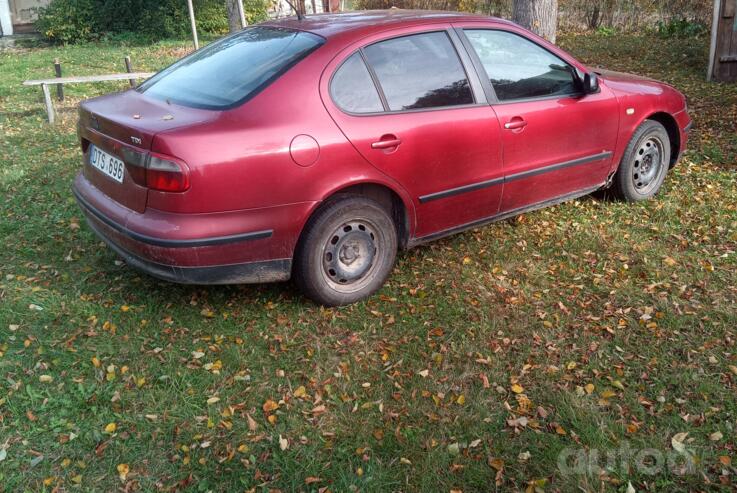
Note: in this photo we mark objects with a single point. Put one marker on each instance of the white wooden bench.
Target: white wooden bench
(45, 83)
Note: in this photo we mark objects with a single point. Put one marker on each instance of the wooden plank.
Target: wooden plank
(728, 9)
(49, 105)
(129, 69)
(89, 78)
(59, 87)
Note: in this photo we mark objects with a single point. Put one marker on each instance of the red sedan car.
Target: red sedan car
(316, 148)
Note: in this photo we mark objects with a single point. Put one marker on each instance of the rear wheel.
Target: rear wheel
(346, 251)
(644, 164)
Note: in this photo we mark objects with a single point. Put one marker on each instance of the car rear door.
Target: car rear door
(556, 140)
(408, 104)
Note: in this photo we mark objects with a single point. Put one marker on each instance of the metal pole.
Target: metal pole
(193, 25)
(713, 43)
(129, 69)
(59, 87)
(239, 4)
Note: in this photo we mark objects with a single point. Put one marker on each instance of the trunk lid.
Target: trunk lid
(123, 125)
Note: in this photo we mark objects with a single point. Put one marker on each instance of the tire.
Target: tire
(644, 164)
(346, 251)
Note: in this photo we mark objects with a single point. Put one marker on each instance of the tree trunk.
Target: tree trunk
(539, 16)
(234, 18)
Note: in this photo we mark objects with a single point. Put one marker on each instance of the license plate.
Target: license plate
(109, 165)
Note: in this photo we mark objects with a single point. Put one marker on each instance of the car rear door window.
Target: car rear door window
(419, 71)
(230, 71)
(352, 88)
(520, 69)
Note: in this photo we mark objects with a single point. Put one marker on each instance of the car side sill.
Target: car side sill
(513, 177)
(504, 215)
(163, 242)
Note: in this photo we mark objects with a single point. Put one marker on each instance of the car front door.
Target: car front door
(408, 105)
(557, 142)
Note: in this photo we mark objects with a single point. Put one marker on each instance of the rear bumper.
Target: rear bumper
(248, 246)
(246, 273)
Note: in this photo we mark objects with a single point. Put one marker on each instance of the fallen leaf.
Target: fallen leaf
(110, 428)
(496, 463)
(454, 449)
(123, 470)
(677, 442)
(270, 406)
(252, 425)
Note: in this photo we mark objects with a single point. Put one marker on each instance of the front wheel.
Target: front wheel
(346, 251)
(644, 164)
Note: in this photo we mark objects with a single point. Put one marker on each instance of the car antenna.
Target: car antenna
(300, 16)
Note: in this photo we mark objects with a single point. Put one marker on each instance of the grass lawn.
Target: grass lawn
(594, 326)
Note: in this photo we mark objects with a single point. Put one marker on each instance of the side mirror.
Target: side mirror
(590, 83)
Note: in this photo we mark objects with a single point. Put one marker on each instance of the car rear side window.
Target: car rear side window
(419, 71)
(228, 72)
(352, 88)
(518, 68)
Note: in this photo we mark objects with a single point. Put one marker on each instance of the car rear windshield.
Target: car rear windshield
(232, 70)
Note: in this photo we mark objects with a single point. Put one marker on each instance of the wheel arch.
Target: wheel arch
(674, 135)
(400, 209)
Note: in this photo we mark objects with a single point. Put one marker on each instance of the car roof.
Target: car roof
(367, 21)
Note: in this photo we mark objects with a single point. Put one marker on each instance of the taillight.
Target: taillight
(157, 171)
(166, 175)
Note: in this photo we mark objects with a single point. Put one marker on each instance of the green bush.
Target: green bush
(70, 21)
(680, 28)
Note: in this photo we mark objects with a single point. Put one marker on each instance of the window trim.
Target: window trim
(486, 81)
(372, 77)
(474, 81)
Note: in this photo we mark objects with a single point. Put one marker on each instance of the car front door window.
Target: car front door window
(520, 69)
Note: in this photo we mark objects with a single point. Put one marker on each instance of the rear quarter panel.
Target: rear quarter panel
(242, 159)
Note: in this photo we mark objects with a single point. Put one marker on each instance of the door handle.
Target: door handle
(386, 142)
(515, 123)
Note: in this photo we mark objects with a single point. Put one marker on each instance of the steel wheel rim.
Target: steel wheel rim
(350, 255)
(648, 165)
